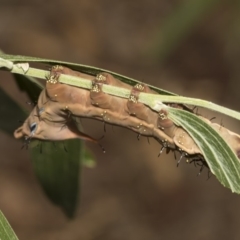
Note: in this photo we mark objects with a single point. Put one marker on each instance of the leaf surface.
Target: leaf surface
(10, 113)
(58, 167)
(221, 159)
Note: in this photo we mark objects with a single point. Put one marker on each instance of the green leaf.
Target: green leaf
(29, 85)
(88, 159)
(6, 231)
(57, 166)
(11, 113)
(221, 159)
(79, 67)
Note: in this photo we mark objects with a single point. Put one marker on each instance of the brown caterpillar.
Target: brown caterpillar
(58, 104)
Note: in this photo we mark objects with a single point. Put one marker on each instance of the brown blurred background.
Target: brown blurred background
(190, 47)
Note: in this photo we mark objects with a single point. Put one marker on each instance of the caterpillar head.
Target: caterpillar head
(43, 129)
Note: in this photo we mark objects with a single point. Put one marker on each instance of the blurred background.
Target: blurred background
(190, 47)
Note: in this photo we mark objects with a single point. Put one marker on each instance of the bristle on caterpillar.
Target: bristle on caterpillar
(58, 104)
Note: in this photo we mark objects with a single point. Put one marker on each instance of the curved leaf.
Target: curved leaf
(11, 113)
(221, 159)
(57, 166)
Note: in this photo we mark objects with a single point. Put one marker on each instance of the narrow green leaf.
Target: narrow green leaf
(10, 113)
(6, 231)
(57, 166)
(29, 85)
(79, 67)
(221, 160)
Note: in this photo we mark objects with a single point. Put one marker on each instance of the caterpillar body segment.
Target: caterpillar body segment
(118, 111)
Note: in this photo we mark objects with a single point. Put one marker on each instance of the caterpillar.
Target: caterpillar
(59, 104)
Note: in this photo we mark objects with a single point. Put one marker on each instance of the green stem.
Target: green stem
(154, 101)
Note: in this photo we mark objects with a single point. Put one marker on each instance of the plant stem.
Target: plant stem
(154, 101)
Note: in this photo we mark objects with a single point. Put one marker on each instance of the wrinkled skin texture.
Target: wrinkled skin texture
(59, 105)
